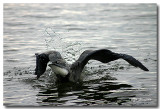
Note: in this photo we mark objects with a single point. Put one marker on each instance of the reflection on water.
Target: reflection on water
(85, 94)
(71, 29)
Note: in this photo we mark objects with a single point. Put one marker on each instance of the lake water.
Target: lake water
(71, 29)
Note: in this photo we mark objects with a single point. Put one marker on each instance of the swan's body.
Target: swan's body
(58, 70)
(72, 72)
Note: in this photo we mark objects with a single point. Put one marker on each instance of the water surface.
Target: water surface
(71, 29)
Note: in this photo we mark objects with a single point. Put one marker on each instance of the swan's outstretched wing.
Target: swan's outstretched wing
(105, 56)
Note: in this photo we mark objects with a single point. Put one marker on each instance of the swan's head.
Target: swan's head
(41, 64)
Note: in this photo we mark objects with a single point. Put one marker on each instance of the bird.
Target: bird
(71, 72)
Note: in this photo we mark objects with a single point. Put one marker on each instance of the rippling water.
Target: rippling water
(71, 29)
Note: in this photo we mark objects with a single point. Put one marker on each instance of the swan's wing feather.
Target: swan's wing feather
(133, 61)
(105, 56)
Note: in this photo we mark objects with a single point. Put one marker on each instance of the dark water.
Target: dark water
(71, 29)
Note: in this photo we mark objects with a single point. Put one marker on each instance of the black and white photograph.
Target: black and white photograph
(80, 54)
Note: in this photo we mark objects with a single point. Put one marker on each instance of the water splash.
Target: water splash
(57, 41)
